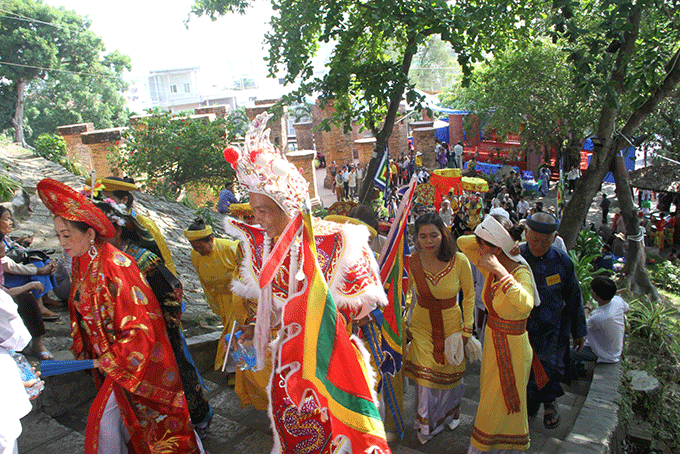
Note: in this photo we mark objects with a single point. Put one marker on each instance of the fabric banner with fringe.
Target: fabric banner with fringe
(318, 360)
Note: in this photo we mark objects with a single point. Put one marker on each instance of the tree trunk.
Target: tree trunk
(18, 120)
(635, 276)
(386, 131)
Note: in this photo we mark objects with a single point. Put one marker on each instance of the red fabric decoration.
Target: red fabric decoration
(69, 204)
(254, 154)
(231, 156)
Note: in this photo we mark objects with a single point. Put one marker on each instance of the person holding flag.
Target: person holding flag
(309, 281)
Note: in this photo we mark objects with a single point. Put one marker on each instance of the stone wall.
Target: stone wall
(335, 144)
(365, 148)
(398, 142)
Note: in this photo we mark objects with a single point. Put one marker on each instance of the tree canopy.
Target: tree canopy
(529, 90)
(52, 55)
(374, 44)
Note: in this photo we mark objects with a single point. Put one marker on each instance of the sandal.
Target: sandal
(202, 427)
(43, 355)
(551, 417)
(49, 316)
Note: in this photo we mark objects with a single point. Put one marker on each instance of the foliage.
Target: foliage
(53, 148)
(585, 271)
(8, 187)
(528, 90)
(80, 98)
(588, 243)
(366, 76)
(665, 275)
(657, 323)
(53, 53)
(165, 153)
(664, 127)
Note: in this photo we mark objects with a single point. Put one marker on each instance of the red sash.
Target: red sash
(433, 305)
(500, 330)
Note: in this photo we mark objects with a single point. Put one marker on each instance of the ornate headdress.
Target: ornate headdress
(262, 169)
(69, 204)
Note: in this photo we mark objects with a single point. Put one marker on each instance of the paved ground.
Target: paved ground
(58, 422)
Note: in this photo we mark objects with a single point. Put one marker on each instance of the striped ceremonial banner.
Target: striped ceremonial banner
(323, 361)
(394, 263)
(382, 176)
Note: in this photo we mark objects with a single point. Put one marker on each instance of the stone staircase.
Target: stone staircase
(57, 423)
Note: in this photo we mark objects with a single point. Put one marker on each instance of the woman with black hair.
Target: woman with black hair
(168, 291)
(437, 273)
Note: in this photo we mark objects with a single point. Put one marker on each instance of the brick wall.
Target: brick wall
(423, 141)
(365, 148)
(304, 136)
(220, 111)
(99, 142)
(455, 129)
(305, 159)
(76, 149)
(335, 144)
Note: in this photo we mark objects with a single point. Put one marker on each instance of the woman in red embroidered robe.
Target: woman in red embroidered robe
(437, 274)
(116, 320)
(501, 423)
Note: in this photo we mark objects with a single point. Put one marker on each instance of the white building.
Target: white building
(175, 89)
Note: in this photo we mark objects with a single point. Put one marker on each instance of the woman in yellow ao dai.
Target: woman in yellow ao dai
(437, 274)
(501, 424)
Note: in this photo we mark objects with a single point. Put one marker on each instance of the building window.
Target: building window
(173, 88)
(187, 88)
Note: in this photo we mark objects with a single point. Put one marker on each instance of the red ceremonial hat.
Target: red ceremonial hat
(70, 204)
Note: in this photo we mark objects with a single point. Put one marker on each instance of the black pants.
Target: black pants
(29, 311)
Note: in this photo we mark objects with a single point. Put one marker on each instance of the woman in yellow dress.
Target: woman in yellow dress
(509, 293)
(437, 274)
(215, 261)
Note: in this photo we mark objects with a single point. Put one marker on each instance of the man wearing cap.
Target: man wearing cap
(559, 315)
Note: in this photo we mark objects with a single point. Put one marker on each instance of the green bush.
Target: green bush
(7, 187)
(588, 243)
(53, 148)
(666, 276)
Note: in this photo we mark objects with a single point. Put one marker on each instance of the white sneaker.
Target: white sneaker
(454, 424)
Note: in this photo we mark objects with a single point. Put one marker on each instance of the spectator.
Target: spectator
(604, 205)
(606, 260)
(522, 207)
(446, 213)
(572, 176)
(458, 152)
(352, 182)
(227, 197)
(606, 324)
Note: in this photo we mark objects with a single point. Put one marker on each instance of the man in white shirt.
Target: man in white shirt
(522, 207)
(606, 324)
(458, 152)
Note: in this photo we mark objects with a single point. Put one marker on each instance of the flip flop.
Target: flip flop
(43, 355)
(49, 316)
(551, 417)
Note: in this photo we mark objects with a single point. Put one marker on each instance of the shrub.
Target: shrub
(53, 148)
(665, 275)
(8, 187)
